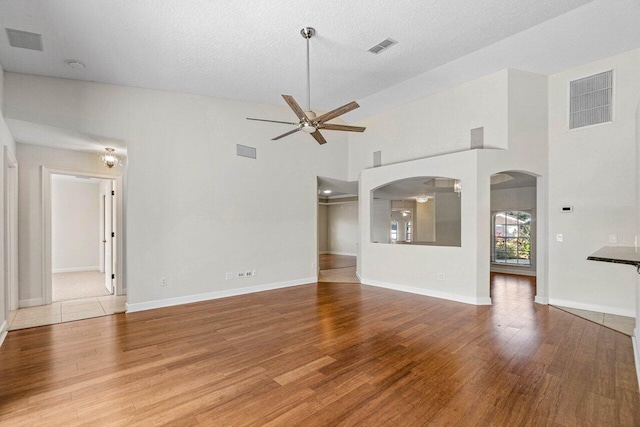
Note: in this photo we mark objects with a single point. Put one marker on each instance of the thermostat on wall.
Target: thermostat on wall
(567, 209)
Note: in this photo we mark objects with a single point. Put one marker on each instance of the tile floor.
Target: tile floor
(618, 323)
(66, 311)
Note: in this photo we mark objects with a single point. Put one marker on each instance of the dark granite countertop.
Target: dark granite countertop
(617, 254)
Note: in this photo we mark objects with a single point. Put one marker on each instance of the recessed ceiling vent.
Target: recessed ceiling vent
(591, 100)
(383, 45)
(24, 39)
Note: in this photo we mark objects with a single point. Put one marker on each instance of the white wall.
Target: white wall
(520, 199)
(512, 107)
(323, 228)
(343, 228)
(75, 225)
(593, 170)
(31, 158)
(195, 210)
(6, 140)
(437, 124)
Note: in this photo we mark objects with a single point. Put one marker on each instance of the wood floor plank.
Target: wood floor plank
(325, 354)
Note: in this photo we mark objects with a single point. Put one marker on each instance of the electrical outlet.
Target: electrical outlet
(253, 273)
(441, 276)
(248, 273)
(229, 276)
(163, 281)
(240, 274)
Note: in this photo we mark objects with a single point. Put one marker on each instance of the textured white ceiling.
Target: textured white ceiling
(252, 50)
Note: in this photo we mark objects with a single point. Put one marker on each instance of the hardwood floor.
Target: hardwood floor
(327, 354)
(330, 261)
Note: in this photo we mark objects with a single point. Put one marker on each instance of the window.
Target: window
(407, 231)
(394, 231)
(512, 238)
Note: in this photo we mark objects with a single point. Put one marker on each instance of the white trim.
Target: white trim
(76, 269)
(30, 302)
(339, 253)
(358, 276)
(636, 353)
(541, 300)
(593, 307)
(4, 328)
(427, 292)
(168, 302)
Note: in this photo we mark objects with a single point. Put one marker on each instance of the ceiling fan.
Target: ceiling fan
(309, 122)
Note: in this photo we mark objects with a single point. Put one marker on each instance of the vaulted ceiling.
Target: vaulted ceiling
(253, 51)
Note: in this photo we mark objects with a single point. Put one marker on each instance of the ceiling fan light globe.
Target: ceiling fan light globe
(308, 128)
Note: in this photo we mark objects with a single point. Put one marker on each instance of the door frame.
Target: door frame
(11, 229)
(47, 254)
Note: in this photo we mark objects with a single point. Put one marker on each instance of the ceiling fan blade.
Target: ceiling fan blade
(330, 126)
(272, 121)
(337, 112)
(295, 107)
(318, 137)
(285, 134)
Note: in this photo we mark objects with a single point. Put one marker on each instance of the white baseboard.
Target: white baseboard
(427, 292)
(541, 300)
(636, 353)
(593, 307)
(168, 302)
(29, 302)
(75, 269)
(358, 276)
(340, 253)
(3, 331)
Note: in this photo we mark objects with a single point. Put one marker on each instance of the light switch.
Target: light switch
(559, 237)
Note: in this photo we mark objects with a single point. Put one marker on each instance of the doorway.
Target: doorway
(104, 228)
(338, 232)
(513, 224)
(82, 236)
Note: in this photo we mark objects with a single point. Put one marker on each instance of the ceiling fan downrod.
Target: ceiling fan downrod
(307, 33)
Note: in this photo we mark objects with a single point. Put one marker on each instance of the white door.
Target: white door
(109, 232)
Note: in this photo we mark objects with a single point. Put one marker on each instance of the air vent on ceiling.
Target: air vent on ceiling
(24, 39)
(383, 45)
(590, 100)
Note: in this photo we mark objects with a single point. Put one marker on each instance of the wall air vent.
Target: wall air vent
(244, 151)
(383, 45)
(24, 39)
(377, 159)
(591, 100)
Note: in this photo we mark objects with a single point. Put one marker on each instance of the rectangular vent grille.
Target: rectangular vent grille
(377, 159)
(590, 100)
(24, 39)
(383, 45)
(244, 151)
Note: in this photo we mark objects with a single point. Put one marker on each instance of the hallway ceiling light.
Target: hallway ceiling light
(326, 191)
(422, 199)
(110, 158)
